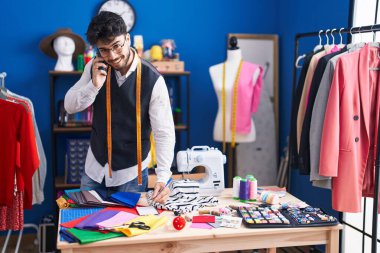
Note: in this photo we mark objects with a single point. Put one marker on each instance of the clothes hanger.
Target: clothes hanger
(349, 46)
(3, 90)
(374, 43)
(341, 45)
(319, 46)
(361, 43)
(316, 48)
(298, 60)
(334, 46)
(332, 35)
(352, 45)
(327, 37)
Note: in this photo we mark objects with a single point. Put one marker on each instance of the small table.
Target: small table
(213, 240)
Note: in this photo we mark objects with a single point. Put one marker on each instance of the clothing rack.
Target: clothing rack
(353, 30)
(3, 75)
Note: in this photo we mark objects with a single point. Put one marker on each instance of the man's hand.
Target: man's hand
(160, 193)
(99, 72)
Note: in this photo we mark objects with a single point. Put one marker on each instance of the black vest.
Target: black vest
(123, 119)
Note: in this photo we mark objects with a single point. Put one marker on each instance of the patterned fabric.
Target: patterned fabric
(183, 198)
(186, 186)
(13, 217)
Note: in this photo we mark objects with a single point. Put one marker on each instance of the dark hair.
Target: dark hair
(104, 26)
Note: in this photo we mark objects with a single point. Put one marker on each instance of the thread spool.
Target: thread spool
(249, 177)
(243, 193)
(269, 198)
(236, 187)
(252, 189)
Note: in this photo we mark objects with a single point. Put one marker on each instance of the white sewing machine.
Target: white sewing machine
(210, 158)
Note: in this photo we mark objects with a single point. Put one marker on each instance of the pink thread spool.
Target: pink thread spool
(252, 189)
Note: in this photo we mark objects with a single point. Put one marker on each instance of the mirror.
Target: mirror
(260, 158)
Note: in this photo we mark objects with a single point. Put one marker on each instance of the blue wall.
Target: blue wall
(199, 28)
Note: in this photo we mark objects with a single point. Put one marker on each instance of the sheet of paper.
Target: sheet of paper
(146, 210)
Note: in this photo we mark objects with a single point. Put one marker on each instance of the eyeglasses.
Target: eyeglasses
(117, 48)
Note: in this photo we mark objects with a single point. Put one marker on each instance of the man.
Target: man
(115, 117)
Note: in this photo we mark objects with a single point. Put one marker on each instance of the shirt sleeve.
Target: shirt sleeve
(29, 161)
(161, 119)
(82, 94)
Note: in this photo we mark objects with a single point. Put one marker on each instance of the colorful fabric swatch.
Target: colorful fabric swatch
(201, 225)
(91, 221)
(119, 219)
(152, 221)
(86, 236)
(128, 199)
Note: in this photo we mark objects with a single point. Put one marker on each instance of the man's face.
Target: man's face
(115, 51)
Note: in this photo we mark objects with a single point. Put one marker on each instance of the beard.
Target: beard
(121, 61)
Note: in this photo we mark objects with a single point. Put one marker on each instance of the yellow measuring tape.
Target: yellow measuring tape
(234, 105)
(138, 122)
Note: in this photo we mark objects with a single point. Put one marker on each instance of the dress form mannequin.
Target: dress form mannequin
(234, 56)
(64, 47)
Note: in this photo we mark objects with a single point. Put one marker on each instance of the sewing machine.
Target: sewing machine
(210, 158)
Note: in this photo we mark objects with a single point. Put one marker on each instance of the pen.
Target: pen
(167, 183)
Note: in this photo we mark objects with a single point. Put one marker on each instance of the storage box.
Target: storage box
(169, 66)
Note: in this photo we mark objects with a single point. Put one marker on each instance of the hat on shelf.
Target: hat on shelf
(46, 45)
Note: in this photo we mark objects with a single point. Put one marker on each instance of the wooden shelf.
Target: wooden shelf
(73, 73)
(60, 181)
(58, 129)
(181, 128)
(182, 73)
(60, 184)
(64, 73)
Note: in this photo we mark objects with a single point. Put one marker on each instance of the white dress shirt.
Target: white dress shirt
(83, 94)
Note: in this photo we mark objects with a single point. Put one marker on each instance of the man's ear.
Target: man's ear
(128, 37)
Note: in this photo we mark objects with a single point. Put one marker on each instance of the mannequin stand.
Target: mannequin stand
(231, 162)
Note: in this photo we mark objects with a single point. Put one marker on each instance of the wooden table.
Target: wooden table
(165, 239)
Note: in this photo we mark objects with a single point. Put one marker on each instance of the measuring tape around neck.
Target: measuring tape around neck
(138, 122)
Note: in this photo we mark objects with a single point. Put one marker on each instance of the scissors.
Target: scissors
(136, 224)
(140, 225)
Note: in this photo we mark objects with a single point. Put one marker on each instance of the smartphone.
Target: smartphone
(98, 55)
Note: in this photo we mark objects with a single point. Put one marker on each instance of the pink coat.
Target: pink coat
(248, 97)
(349, 135)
